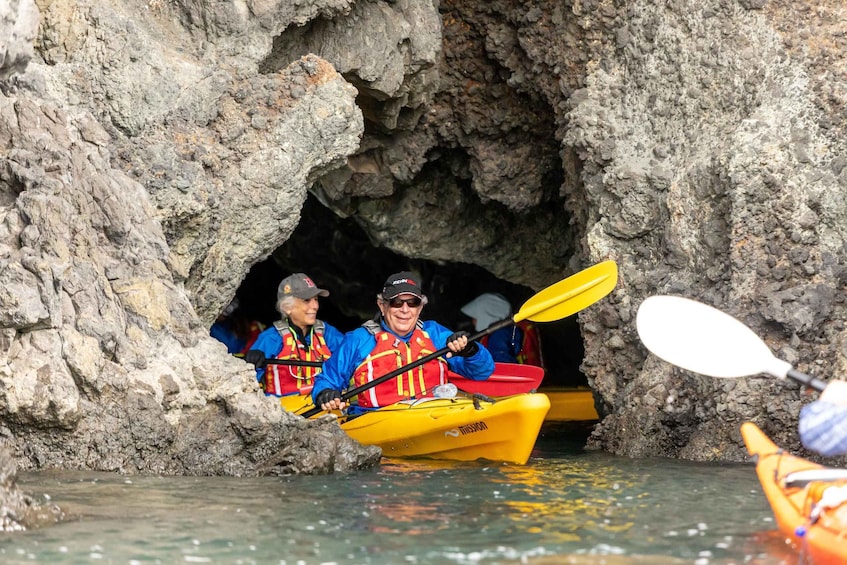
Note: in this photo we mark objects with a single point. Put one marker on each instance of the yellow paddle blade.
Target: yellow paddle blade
(570, 295)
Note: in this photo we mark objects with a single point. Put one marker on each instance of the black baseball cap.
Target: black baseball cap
(401, 283)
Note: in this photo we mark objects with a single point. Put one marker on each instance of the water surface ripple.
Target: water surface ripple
(565, 506)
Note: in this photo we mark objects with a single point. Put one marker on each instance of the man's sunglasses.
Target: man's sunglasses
(398, 302)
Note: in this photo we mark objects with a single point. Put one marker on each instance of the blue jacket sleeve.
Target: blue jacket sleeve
(823, 428)
(270, 344)
(225, 335)
(478, 366)
(338, 369)
(333, 337)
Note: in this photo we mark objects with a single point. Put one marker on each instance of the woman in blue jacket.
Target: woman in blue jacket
(298, 336)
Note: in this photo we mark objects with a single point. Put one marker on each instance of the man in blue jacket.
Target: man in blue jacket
(394, 339)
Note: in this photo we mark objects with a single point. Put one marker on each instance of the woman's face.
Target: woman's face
(401, 313)
(304, 313)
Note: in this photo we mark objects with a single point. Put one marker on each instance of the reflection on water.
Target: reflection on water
(534, 505)
(565, 506)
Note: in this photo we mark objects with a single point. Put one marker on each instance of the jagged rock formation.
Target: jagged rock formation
(18, 28)
(105, 363)
(153, 151)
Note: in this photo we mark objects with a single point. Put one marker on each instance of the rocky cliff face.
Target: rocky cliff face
(153, 151)
(115, 133)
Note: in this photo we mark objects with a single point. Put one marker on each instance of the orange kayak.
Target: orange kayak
(800, 494)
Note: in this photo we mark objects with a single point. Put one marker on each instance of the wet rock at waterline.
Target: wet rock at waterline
(20, 511)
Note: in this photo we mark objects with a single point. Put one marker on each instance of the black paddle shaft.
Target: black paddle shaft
(295, 362)
(807, 380)
(400, 370)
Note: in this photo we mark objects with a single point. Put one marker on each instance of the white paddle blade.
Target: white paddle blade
(702, 339)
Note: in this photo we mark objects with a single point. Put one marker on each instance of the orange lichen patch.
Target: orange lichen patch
(192, 138)
(450, 21)
(326, 72)
(471, 86)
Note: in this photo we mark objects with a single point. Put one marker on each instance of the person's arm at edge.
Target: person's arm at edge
(478, 366)
(823, 428)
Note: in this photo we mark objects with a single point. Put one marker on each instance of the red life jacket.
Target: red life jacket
(282, 380)
(530, 353)
(529, 350)
(391, 353)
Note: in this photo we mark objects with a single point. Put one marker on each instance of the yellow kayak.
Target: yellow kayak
(460, 429)
(570, 404)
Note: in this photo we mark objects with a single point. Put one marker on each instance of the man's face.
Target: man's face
(401, 313)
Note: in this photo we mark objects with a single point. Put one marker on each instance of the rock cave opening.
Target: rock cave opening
(338, 255)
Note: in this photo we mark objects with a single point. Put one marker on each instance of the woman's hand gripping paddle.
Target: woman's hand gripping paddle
(705, 340)
(555, 302)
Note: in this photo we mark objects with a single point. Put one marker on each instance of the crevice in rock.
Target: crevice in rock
(338, 255)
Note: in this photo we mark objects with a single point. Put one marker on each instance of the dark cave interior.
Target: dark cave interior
(337, 254)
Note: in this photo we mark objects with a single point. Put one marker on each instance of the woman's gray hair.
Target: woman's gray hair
(284, 305)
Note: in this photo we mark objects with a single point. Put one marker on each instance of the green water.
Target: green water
(564, 506)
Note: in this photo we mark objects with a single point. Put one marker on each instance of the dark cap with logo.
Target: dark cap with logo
(300, 286)
(401, 283)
